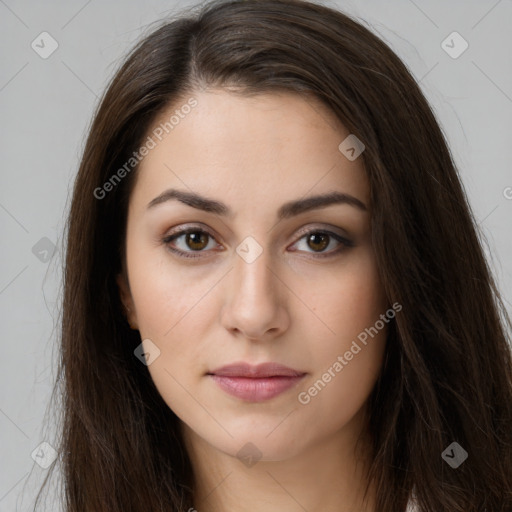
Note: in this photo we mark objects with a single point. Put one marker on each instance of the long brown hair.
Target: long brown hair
(447, 375)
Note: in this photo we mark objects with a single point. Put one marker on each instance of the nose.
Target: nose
(256, 300)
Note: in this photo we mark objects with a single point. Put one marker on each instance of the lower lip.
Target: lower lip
(255, 390)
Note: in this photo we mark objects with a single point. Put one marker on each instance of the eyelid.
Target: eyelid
(187, 228)
(314, 227)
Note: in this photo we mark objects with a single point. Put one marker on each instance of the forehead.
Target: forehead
(252, 147)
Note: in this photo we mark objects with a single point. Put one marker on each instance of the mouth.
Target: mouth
(256, 383)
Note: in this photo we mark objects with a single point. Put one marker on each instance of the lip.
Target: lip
(256, 371)
(256, 383)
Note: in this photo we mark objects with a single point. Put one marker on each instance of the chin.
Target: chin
(252, 445)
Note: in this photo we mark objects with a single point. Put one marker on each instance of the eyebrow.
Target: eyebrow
(286, 211)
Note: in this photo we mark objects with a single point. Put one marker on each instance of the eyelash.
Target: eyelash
(186, 254)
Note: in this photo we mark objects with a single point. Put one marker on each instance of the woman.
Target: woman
(275, 296)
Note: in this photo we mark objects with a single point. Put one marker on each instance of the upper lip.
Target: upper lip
(256, 371)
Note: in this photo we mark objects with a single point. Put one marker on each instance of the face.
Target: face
(264, 274)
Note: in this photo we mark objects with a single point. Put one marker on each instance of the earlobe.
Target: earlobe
(126, 300)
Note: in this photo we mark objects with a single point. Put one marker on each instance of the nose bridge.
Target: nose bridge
(253, 275)
(254, 305)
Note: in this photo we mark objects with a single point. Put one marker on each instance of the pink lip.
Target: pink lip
(256, 383)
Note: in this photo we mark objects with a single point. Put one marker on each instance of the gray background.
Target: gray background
(46, 106)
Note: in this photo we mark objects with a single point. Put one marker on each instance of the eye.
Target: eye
(191, 240)
(318, 240)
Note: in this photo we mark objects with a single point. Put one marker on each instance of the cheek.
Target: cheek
(173, 303)
(342, 387)
(347, 361)
(165, 297)
(173, 311)
(349, 304)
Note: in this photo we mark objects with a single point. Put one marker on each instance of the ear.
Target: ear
(127, 300)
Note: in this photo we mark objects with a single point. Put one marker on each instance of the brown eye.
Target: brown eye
(188, 241)
(196, 240)
(318, 241)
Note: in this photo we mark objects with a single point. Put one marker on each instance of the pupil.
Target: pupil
(313, 237)
(195, 238)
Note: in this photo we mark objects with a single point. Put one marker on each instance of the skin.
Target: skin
(290, 305)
